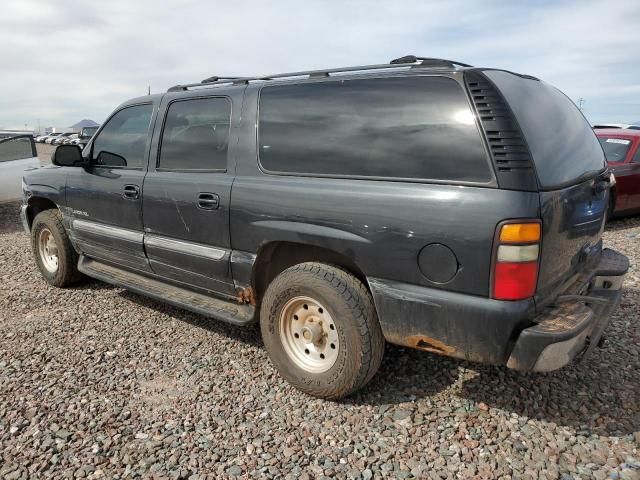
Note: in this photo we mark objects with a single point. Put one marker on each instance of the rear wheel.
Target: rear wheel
(55, 256)
(321, 331)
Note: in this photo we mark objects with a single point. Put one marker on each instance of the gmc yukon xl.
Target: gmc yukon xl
(426, 203)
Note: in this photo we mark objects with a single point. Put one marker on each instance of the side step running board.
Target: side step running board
(230, 312)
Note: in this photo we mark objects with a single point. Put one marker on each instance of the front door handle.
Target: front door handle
(208, 201)
(132, 192)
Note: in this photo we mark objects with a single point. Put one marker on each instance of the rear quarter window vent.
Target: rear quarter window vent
(509, 152)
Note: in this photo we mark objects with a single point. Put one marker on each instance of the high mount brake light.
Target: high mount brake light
(515, 269)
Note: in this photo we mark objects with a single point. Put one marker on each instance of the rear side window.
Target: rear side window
(17, 148)
(122, 141)
(405, 127)
(196, 135)
(615, 149)
(562, 143)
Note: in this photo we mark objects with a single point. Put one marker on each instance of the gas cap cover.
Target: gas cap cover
(438, 263)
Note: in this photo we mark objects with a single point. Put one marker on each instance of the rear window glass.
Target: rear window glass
(562, 143)
(615, 149)
(17, 148)
(405, 127)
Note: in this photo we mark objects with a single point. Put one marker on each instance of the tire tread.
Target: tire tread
(359, 300)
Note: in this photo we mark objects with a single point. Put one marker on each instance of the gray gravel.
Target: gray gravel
(44, 152)
(96, 382)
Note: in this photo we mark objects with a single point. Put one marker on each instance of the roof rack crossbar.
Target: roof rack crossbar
(403, 62)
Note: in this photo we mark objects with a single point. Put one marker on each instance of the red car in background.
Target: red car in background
(622, 149)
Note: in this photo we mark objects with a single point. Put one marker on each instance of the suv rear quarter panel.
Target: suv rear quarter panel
(380, 225)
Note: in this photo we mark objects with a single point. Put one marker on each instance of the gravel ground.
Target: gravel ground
(96, 382)
(44, 152)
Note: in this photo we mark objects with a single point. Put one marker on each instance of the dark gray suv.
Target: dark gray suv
(425, 202)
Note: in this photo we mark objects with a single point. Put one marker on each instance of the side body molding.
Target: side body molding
(189, 248)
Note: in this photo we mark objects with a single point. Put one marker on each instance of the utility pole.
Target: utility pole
(148, 89)
(580, 103)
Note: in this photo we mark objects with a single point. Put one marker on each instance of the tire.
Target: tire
(311, 294)
(611, 208)
(47, 227)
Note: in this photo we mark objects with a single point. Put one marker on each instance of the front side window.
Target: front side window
(196, 135)
(636, 157)
(400, 127)
(122, 141)
(615, 149)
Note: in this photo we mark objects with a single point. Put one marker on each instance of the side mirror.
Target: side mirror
(68, 156)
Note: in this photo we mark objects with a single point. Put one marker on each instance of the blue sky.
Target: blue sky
(77, 59)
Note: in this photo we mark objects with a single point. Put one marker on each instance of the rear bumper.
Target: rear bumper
(575, 325)
(496, 332)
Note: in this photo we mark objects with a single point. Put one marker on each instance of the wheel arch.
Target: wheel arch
(275, 257)
(37, 204)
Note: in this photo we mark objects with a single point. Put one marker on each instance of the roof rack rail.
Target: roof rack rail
(215, 78)
(402, 62)
(427, 62)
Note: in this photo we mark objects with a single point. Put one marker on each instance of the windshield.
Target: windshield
(615, 149)
(562, 143)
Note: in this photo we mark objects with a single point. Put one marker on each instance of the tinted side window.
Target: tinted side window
(636, 156)
(405, 127)
(17, 148)
(122, 141)
(562, 143)
(196, 135)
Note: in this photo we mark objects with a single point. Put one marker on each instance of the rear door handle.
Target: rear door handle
(208, 201)
(132, 192)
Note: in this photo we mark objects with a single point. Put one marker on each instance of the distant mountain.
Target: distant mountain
(84, 123)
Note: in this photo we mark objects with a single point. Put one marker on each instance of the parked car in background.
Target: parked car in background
(51, 137)
(17, 154)
(599, 126)
(345, 207)
(69, 139)
(622, 150)
(41, 138)
(85, 135)
(60, 139)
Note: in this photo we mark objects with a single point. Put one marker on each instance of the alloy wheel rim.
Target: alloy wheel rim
(48, 250)
(309, 334)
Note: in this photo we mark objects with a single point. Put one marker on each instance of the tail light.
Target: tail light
(515, 268)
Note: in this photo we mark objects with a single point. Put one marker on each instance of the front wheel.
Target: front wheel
(55, 256)
(320, 328)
